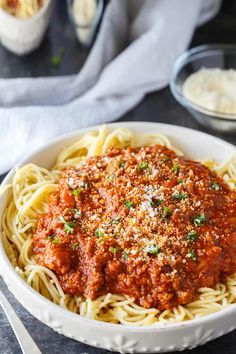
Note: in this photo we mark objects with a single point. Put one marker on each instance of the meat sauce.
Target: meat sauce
(142, 222)
(13, 3)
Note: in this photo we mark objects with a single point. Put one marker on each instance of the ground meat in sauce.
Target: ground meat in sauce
(13, 3)
(141, 222)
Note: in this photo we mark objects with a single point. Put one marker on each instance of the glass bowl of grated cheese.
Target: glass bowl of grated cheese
(203, 81)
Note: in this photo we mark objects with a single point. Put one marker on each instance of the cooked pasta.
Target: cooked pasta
(22, 9)
(28, 198)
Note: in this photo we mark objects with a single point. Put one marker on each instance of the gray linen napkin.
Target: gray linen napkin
(133, 55)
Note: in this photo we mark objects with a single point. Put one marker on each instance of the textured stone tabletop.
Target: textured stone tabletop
(158, 107)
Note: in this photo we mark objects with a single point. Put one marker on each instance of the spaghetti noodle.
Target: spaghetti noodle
(29, 192)
(22, 9)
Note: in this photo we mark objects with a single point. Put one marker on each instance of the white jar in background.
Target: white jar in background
(85, 15)
(22, 36)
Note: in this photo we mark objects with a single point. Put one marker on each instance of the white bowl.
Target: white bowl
(124, 339)
(22, 36)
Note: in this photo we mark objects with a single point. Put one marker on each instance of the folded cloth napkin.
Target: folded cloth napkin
(133, 54)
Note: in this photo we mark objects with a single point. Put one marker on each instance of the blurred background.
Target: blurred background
(60, 53)
(61, 35)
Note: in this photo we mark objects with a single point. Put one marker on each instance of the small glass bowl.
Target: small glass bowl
(221, 56)
(86, 33)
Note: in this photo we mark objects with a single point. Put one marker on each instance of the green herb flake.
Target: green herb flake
(179, 196)
(143, 165)
(191, 236)
(129, 204)
(56, 241)
(192, 255)
(114, 221)
(175, 168)
(166, 212)
(180, 181)
(57, 58)
(113, 250)
(110, 178)
(76, 192)
(75, 246)
(125, 256)
(77, 211)
(122, 164)
(200, 219)
(156, 202)
(68, 225)
(152, 249)
(166, 158)
(216, 186)
(116, 234)
(99, 233)
(62, 219)
(51, 237)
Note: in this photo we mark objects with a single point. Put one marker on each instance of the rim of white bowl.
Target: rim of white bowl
(71, 315)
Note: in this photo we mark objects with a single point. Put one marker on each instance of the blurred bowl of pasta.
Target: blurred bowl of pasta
(23, 24)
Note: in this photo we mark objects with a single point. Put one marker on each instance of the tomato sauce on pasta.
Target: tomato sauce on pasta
(141, 222)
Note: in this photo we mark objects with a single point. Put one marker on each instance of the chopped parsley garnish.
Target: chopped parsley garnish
(199, 220)
(99, 232)
(76, 192)
(116, 234)
(179, 196)
(143, 165)
(216, 186)
(110, 178)
(57, 58)
(125, 256)
(180, 181)
(62, 219)
(56, 241)
(75, 246)
(156, 201)
(68, 225)
(77, 211)
(51, 237)
(192, 255)
(166, 158)
(191, 236)
(175, 167)
(166, 212)
(115, 221)
(113, 250)
(152, 249)
(129, 204)
(122, 164)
